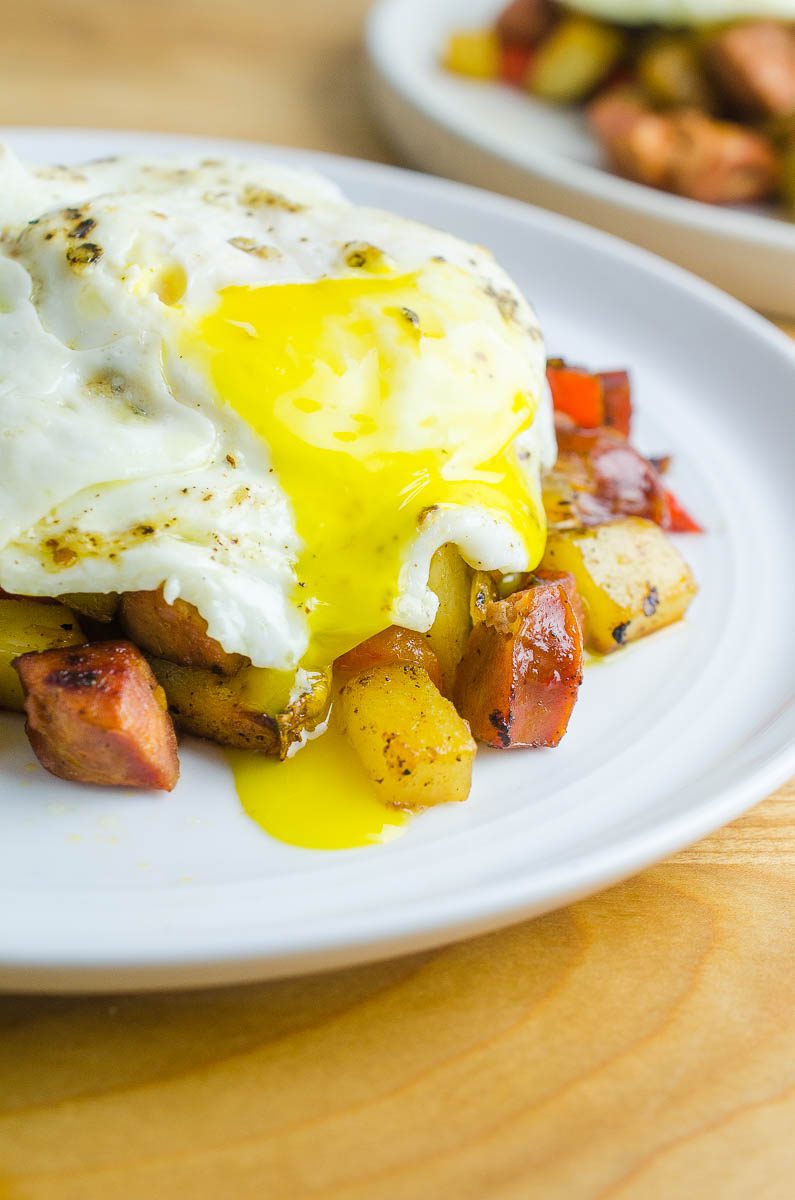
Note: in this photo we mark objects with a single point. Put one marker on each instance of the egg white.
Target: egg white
(121, 468)
(682, 12)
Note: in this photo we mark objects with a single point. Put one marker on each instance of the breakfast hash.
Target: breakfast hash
(281, 470)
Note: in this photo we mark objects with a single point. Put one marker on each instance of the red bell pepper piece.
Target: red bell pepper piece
(617, 400)
(591, 399)
(515, 63)
(678, 518)
(578, 395)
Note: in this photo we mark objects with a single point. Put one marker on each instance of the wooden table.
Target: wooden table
(638, 1046)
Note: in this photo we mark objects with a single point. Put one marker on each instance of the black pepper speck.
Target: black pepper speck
(620, 633)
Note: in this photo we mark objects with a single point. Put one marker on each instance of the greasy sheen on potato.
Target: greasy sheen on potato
(451, 579)
(518, 680)
(412, 743)
(251, 711)
(176, 632)
(27, 625)
(630, 576)
(95, 714)
(99, 606)
(483, 590)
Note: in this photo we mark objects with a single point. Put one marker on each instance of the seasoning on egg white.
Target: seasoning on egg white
(297, 399)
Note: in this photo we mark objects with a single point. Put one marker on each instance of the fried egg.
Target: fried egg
(225, 378)
(683, 12)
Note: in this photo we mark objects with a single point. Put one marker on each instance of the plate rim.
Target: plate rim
(461, 916)
(582, 179)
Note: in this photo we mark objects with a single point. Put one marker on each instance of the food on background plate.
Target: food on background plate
(693, 98)
(280, 472)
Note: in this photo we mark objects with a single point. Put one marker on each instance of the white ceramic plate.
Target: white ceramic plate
(102, 890)
(496, 137)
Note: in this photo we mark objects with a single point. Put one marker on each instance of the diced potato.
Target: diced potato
(96, 605)
(483, 590)
(578, 55)
(411, 741)
(252, 710)
(671, 71)
(175, 631)
(27, 625)
(630, 576)
(487, 586)
(473, 52)
(451, 579)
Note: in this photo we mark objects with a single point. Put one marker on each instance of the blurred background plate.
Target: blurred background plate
(109, 889)
(495, 136)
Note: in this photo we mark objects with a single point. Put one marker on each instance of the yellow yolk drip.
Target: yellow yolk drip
(320, 798)
(371, 417)
(378, 398)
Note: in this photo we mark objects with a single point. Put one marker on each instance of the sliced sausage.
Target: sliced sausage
(177, 632)
(754, 65)
(525, 22)
(518, 680)
(96, 714)
(717, 162)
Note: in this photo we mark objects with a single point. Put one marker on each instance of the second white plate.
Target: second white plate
(497, 137)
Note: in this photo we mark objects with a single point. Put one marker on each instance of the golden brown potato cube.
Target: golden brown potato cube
(95, 714)
(473, 52)
(482, 591)
(257, 709)
(411, 741)
(175, 631)
(672, 73)
(27, 625)
(451, 579)
(630, 576)
(99, 606)
(574, 59)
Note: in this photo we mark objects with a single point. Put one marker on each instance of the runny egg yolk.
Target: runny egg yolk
(379, 398)
(319, 799)
(373, 414)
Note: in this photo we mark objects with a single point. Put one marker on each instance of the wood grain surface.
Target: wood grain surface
(639, 1045)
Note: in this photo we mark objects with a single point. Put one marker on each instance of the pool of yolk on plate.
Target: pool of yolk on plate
(320, 798)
